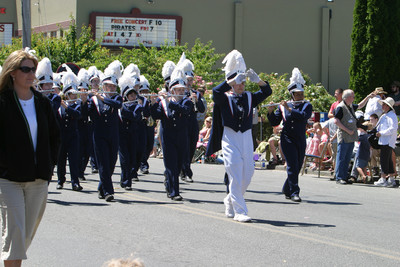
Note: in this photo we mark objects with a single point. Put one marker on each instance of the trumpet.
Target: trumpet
(277, 104)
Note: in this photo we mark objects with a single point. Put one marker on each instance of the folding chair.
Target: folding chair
(320, 158)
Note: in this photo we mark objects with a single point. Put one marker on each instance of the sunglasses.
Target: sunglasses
(26, 69)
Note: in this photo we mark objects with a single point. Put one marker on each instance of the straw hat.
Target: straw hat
(388, 101)
(379, 90)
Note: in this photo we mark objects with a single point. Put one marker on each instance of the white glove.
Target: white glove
(253, 76)
(240, 77)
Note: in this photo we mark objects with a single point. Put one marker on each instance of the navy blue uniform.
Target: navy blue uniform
(173, 132)
(105, 138)
(85, 138)
(130, 117)
(55, 101)
(193, 134)
(144, 165)
(68, 121)
(293, 141)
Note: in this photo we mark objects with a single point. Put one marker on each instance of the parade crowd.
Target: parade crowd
(84, 119)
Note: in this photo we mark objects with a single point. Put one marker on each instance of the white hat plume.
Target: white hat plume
(44, 72)
(234, 63)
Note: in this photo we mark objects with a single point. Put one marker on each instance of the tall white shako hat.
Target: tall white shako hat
(93, 72)
(167, 70)
(57, 80)
(133, 71)
(144, 83)
(178, 78)
(187, 66)
(44, 73)
(234, 64)
(70, 82)
(126, 84)
(296, 81)
(83, 78)
(113, 72)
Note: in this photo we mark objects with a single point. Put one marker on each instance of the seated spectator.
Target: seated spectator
(204, 134)
(275, 142)
(313, 146)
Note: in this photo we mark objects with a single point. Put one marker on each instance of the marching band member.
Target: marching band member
(193, 126)
(140, 126)
(130, 115)
(293, 138)
(44, 74)
(173, 112)
(144, 89)
(69, 114)
(94, 81)
(103, 111)
(57, 83)
(84, 125)
(232, 123)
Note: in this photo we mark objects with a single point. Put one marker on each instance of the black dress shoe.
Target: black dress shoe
(128, 188)
(177, 198)
(77, 188)
(288, 197)
(95, 171)
(109, 198)
(100, 194)
(135, 179)
(82, 178)
(59, 186)
(341, 181)
(296, 198)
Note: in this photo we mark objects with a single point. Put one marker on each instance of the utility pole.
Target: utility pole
(26, 23)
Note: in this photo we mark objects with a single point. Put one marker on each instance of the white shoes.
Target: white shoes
(381, 182)
(242, 218)
(229, 212)
(391, 182)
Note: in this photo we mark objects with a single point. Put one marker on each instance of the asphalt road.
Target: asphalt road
(335, 225)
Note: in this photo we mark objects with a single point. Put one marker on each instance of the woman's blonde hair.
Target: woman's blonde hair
(12, 63)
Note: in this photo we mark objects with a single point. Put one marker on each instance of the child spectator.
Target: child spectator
(363, 154)
(313, 146)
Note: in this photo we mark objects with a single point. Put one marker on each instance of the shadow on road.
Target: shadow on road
(69, 203)
(290, 224)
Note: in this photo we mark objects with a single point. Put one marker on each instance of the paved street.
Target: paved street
(335, 225)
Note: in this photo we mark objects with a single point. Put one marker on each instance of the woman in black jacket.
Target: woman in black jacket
(29, 143)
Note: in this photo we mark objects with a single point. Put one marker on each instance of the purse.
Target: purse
(373, 139)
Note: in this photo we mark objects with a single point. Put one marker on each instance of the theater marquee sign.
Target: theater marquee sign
(128, 30)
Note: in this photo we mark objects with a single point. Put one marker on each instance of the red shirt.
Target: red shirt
(333, 107)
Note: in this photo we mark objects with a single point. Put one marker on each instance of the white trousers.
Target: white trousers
(22, 207)
(237, 148)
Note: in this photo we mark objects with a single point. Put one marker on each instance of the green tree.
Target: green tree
(375, 45)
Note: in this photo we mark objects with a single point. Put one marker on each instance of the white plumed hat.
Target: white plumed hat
(144, 83)
(126, 83)
(187, 65)
(296, 81)
(234, 64)
(83, 77)
(44, 73)
(167, 70)
(70, 82)
(57, 80)
(93, 73)
(178, 78)
(132, 70)
(113, 72)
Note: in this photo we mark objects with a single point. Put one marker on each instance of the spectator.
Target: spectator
(204, 134)
(362, 155)
(373, 119)
(346, 121)
(313, 146)
(29, 143)
(395, 88)
(373, 106)
(338, 96)
(387, 133)
(255, 130)
(332, 147)
(201, 115)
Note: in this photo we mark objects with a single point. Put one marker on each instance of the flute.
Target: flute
(131, 102)
(46, 91)
(277, 104)
(72, 100)
(102, 92)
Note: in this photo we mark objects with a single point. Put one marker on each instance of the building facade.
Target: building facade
(273, 35)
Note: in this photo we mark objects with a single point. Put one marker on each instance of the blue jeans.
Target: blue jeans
(344, 152)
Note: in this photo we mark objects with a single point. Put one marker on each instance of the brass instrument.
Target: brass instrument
(277, 104)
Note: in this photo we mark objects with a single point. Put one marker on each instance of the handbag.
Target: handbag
(373, 139)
